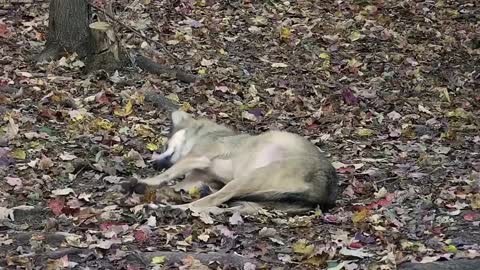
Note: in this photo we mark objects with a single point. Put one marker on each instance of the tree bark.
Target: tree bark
(68, 30)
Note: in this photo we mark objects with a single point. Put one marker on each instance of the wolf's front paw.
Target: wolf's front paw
(161, 164)
(132, 185)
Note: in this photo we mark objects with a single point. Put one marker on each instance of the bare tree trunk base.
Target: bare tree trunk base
(106, 61)
(51, 52)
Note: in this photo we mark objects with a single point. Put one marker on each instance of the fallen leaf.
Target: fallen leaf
(267, 232)
(302, 247)
(14, 181)
(359, 253)
(67, 157)
(394, 115)
(381, 193)
(56, 205)
(285, 33)
(470, 217)
(158, 260)
(458, 113)
(45, 163)
(12, 129)
(279, 65)
(365, 132)
(354, 36)
(349, 97)
(236, 219)
(249, 116)
(475, 201)
(62, 192)
(125, 111)
(18, 154)
(249, 266)
(206, 63)
(6, 213)
(360, 216)
(4, 31)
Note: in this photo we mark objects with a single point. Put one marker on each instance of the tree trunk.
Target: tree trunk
(68, 30)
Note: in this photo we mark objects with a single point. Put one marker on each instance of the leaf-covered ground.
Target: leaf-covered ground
(388, 88)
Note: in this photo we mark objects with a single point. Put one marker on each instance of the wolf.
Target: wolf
(274, 169)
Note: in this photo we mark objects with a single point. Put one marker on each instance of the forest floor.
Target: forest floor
(389, 89)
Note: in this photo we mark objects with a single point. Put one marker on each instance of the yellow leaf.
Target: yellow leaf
(138, 97)
(173, 97)
(365, 132)
(194, 192)
(202, 71)
(152, 147)
(360, 216)
(144, 130)
(301, 247)
(158, 260)
(285, 33)
(127, 110)
(324, 55)
(444, 93)
(19, 154)
(450, 134)
(318, 259)
(354, 36)
(354, 63)
(186, 107)
(451, 249)
(408, 132)
(476, 201)
(459, 113)
(103, 124)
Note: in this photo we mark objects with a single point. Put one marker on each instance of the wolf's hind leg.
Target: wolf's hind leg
(268, 182)
(178, 169)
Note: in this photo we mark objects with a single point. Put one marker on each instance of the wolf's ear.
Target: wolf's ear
(179, 117)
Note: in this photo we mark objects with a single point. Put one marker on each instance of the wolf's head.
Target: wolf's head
(185, 132)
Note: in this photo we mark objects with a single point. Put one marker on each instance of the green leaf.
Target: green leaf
(365, 132)
(158, 260)
(19, 154)
(354, 36)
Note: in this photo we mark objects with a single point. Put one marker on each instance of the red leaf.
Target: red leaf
(330, 219)
(437, 230)
(140, 235)
(470, 217)
(4, 32)
(102, 98)
(356, 245)
(105, 226)
(56, 205)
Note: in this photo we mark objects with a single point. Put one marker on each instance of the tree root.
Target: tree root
(155, 68)
(457, 264)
